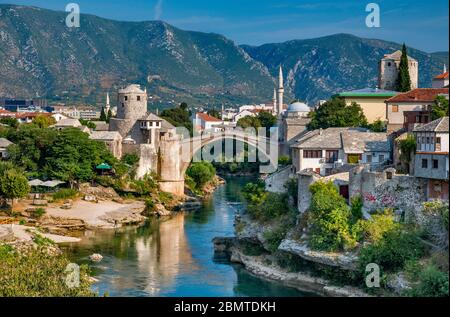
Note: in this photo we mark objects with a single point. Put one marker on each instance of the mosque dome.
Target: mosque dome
(298, 107)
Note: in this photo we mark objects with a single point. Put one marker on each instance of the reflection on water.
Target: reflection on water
(174, 257)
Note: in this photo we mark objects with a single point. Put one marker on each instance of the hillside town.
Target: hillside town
(381, 149)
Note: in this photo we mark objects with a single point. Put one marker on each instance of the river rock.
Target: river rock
(96, 257)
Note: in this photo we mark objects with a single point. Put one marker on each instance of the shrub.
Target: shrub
(284, 160)
(274, 238)
(38, 212)
(431, 283)
(65, 193)
(130, 159)
(331, 232)
(356, 209)
(165, 198)
(329, 219)
(393, 250)
(374, 229)
(201, 173)
(35, 273)
(146, 185)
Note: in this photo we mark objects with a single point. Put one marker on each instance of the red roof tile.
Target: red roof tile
(442, 76)
(419, 94)
(206, 117)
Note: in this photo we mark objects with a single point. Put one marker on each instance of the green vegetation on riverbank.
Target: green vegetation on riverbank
(35, 272)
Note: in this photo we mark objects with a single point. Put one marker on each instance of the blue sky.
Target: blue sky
(422, 24)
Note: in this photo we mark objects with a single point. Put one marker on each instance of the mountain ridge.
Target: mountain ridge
(80, 65)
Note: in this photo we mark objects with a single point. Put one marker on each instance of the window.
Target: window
(438, 140)
(312, 154)
(369, 158)
(331, 156)
(435, 164)
(428, 140)
(123, 105)
(424, 163)
(389, 64)
(138, 98)
(389, 175)
(394, 108)
(381, 158)
(125, 98)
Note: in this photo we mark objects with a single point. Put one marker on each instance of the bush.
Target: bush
(431, 283)
(274, 238)
(201, 173)
(146, 185)
(375, 229)
(65, 193)
(392, 251)
(36, 274)
(38, 212)
(284, 160)
(329, 219)
(130, 159)
(356, 209)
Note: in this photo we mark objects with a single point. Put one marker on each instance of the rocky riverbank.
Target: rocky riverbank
(264, 266)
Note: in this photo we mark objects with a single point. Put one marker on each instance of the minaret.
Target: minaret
(107, 106)
(274, 100)
(280, 92)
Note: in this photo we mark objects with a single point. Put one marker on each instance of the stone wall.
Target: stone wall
(275, 182)
(386, 189)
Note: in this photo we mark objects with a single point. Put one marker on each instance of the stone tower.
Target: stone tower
(131, 106)
(280, 92)
(388, 71)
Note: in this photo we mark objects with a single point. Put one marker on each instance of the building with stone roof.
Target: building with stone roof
(325, 150)
(431, 158)
(112, 140)
(441, 80)
(4, 143)
(388, 71)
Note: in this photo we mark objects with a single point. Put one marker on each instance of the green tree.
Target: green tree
(329, 219)
(215, 113)
(13, 185)
(12, 122)
(335, 113)
(440, 108)
(109, 115)
(249, 122)
(201, 173)
(267, 119)
(403, 80)
(103, 115)
(44, 121)
(179, 116)
(73, 156)
(87, 123)
(377, 126)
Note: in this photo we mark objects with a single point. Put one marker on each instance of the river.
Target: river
(174, 257)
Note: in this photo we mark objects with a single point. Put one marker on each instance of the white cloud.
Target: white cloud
(158, 9)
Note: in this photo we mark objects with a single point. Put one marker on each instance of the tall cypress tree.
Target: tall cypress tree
(103, 115)
(403, 80)
(109, 115)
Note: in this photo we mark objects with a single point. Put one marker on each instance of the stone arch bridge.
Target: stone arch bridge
(176, 154)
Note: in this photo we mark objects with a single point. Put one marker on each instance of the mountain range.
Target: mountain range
(41, 57)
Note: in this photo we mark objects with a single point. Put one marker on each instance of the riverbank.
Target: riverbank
(265, 266)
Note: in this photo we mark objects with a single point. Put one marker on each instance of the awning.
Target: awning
(104, 166)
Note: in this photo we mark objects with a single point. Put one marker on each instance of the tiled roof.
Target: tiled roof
(397, 55)
(359, 142)
(439, 125)
(68, 123)
(4, 143)
(351, 140)
(419, 94)
(206, 117)
(105, 135)
(442, 76)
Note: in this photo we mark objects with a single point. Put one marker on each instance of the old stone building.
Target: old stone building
(388, 71)
(292, 125)
(141, 130)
